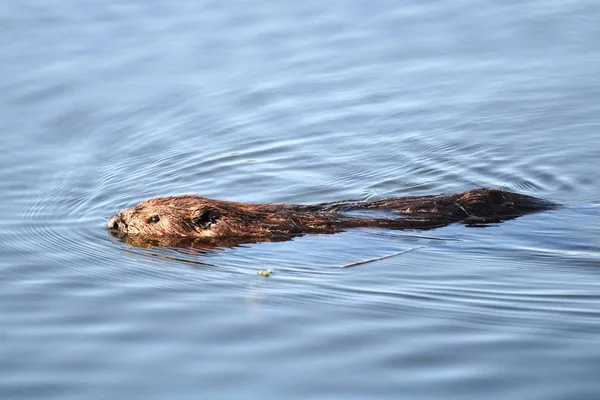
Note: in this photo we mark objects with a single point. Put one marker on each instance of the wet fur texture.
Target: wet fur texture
(195, 221)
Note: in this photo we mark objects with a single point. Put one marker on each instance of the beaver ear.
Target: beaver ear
(205, 218)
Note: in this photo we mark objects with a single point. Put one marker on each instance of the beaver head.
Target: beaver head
(188, 216)
(215, 221)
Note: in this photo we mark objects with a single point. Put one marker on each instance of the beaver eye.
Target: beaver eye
(153, 219)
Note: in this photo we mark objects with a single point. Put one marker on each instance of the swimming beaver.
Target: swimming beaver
(194, 221)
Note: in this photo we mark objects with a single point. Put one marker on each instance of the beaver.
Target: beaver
(195, 221)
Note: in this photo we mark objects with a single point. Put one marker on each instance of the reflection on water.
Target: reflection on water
(106, 105)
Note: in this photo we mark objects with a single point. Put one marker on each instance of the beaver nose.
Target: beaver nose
(113, 223)
(116, 223)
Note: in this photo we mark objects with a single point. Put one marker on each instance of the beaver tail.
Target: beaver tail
(473, 206)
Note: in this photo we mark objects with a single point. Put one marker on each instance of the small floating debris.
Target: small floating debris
(354, 264)
(265, 272)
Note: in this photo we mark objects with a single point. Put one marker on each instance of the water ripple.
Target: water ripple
(106, 105)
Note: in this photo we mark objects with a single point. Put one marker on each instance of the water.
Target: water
(107, 103)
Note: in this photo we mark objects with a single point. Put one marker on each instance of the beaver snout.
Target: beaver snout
(117, 223)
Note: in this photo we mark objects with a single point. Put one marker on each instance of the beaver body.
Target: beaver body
(195, 221)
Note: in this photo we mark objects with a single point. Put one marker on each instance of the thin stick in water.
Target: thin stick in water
(380, 258)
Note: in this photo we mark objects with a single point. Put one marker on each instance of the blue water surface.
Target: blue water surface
(106, 103)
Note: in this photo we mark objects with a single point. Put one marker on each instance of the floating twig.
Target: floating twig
(379, 258)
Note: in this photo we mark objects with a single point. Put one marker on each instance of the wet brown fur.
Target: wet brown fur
(194, 221)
